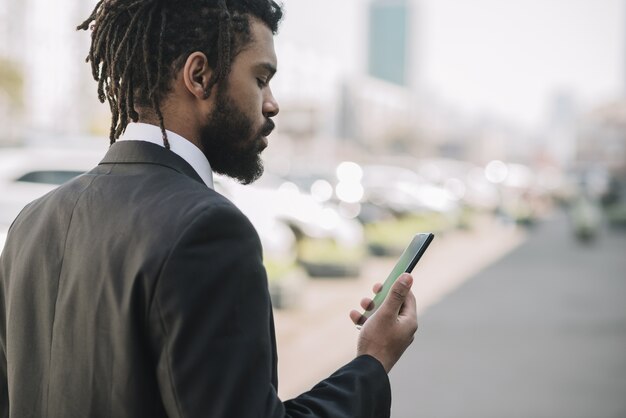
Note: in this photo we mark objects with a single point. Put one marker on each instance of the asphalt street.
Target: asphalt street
(540, 333)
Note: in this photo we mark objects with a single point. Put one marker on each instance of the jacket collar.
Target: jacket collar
(134, 152)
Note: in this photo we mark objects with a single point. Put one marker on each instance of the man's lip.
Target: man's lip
(268, 127)
(264, 141)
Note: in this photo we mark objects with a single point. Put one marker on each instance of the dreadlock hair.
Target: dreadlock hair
(137, 47)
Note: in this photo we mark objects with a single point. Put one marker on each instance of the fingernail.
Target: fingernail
(406, 280)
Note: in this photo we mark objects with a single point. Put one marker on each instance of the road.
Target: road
(540, 333)
(317, 337)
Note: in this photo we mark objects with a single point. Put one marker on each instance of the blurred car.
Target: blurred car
(463, 179)
(272, 197)
(28, 173)
(3, 237)
(327, 243)
(404, 191)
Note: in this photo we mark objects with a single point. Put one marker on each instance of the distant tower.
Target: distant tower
(388, 44)
(624, 48)
(562, 128)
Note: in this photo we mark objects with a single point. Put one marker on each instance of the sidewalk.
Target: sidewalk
(318, 337)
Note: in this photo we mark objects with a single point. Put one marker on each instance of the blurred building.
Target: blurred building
(376, 114)
(61, 92)
(624, 50)
(601, 139)
(52, 93)
(361, 100)
(562, 127)
(388, 41)
(12, 19)
(589, 139)
(383, 108)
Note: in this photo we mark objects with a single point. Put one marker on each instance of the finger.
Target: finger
(409, 307)
(377, 287)
(408, 314)
(367, 304)
(397, 295)
(357, 318)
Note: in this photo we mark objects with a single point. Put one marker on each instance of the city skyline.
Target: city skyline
(507, 59)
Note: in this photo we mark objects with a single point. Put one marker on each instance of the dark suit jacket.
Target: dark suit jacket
(136, 291)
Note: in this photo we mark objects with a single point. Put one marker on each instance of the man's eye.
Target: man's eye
(261, 82)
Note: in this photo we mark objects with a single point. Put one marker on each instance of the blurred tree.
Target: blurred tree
(11, 82)
(11, 102)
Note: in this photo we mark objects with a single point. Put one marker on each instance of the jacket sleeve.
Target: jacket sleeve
(209, 322)
(4, 383)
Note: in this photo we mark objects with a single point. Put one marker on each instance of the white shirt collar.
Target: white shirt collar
(184, 148)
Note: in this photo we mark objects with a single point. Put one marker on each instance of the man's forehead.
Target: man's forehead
(261, 44)
(261, 33)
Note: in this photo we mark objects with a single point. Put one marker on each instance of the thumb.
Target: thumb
(397, 294)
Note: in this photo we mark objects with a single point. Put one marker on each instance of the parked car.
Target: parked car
(28, 173)
(404, 191)
(327, 243)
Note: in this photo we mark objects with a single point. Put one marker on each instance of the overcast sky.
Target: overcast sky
(505, 57)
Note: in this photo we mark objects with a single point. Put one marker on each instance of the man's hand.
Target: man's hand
(390, 330)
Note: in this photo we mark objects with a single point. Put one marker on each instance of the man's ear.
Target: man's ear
(196, 75)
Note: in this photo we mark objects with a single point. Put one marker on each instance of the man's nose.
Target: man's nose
(270, 105)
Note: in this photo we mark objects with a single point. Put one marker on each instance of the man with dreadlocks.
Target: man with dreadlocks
(135, 290)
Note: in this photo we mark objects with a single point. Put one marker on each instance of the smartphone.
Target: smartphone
(405, 264)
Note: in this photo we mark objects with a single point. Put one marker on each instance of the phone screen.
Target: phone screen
(405, 264)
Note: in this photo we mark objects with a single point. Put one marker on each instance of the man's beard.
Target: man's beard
(230, 143)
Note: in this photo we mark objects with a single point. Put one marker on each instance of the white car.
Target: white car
(28, 173)
(276, 207)
(274, 199)
(404, 191)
